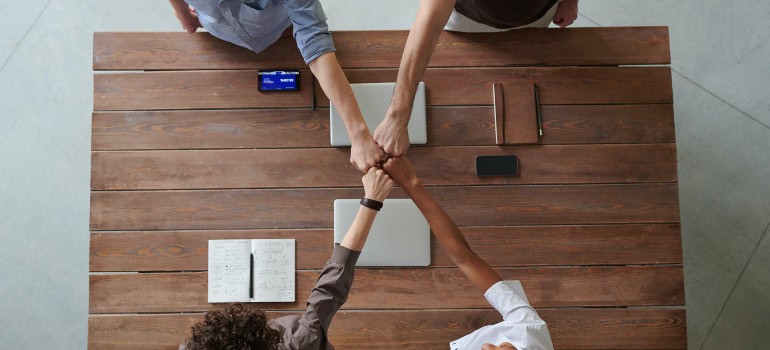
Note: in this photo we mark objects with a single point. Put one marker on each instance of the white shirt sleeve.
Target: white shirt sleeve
(508, 298)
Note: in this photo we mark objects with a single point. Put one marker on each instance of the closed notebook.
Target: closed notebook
(251, 270)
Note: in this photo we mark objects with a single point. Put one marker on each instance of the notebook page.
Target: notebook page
(229, 262)
(274, 275)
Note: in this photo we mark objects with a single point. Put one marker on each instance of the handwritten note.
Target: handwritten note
(229, 262)
(274, 279)
(231, 271)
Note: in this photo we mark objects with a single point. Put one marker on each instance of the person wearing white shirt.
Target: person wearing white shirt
(521, 328)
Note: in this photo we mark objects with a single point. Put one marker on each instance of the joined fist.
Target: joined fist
(377, 184)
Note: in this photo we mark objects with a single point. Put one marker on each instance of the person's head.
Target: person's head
(502, 346)
(234, 327)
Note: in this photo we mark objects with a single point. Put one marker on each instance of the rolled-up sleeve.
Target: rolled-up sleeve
(508, 298)
(310, 28)
(331, 290)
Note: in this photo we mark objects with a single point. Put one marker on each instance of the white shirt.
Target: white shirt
(521, 325)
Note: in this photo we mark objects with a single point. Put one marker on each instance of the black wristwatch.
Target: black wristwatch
(371, 204)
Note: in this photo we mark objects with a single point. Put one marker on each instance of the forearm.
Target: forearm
(356, 236)
(179, 5)
(453, 241)
(431, 17)
(335, 85)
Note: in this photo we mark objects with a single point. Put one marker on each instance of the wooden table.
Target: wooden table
(185, 149)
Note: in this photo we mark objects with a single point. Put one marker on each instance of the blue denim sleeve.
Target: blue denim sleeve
(310, 28)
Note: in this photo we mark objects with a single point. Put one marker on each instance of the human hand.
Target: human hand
(377, 184)
(188, 19)
(365, 153)
(392, 136)
(401, 171)
(566, 13)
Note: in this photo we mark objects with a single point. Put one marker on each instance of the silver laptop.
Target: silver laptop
(400, 235)
(374, 100)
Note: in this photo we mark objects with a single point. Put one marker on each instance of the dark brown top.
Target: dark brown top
(502, 14)
(308, 331)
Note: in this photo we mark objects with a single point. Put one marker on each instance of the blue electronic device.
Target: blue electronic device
(278, 80)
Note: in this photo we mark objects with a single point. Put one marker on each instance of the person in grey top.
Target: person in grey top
(237, 326)
(257, 24)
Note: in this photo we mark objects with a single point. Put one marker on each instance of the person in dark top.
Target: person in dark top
(238, 326)
(460, 16)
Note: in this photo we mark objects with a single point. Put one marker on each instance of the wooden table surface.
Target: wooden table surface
(186, 149)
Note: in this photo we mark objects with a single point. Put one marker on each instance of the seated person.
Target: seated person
(257, 24)
(239, 326)
(521, 327)
(459, 16)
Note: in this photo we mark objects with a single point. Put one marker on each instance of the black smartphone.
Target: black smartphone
(507, 165)
(278, 80)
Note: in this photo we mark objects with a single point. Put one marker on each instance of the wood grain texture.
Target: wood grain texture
(418, 288)
(188, 250)
(190, 150)
(290, 128)
(383, 49)
(556, 85)
(459, 86)
(534, 246)
(262, 128)
(193, 90)
(605, 328)
(298, 168)
(302, 208)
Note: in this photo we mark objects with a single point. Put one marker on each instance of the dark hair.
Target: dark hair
(234, 327)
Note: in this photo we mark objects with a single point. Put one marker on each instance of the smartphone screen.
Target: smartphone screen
(507, 165)
(278, 80)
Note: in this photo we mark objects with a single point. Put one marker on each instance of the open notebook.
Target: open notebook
(251, 270)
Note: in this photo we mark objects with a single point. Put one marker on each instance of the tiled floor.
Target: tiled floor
(720, 55)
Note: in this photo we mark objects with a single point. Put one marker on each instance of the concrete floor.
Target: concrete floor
(720, 55)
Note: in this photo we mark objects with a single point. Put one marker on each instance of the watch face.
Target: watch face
(278, 80)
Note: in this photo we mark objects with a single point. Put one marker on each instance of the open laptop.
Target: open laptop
(400, 235)
(374, 100)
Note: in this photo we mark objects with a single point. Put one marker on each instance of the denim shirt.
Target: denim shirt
(257, 24)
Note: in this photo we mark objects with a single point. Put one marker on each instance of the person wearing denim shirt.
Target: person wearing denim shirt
(257, 24)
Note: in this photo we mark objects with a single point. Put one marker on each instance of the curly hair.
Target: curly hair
(234, 327)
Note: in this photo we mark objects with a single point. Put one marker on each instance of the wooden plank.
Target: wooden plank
(291, 128)
(382, 49)
(463, 86)
(193, 90)
(556, 85)
(604, 328)
(301, 208)
(520, 114)
(452, 165)
(418, 288)
(176, 50)
(188, 250)
(534, 245)
(270, 128)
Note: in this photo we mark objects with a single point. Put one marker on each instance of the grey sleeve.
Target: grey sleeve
(310, 29)
(331, 290)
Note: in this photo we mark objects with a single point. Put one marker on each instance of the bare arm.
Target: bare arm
(377, 186)
(432, 15)
(364, 153)
(566, 13)
(187, 18)
(476, 269)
